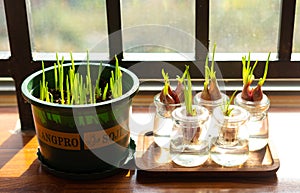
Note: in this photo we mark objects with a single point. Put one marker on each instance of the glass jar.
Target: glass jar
(163, 122)
(230, 148)
(188, 146)
(210, 105)
(258, 124)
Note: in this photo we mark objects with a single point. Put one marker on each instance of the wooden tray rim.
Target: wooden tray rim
(263, 171)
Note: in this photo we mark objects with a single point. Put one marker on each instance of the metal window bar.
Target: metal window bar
(286, 29)
(19, 64)
(113, 9)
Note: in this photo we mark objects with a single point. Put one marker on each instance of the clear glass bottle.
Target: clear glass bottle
(163, 122)
(210, 106)
(188, 146)
(258, 124)
(230, 148)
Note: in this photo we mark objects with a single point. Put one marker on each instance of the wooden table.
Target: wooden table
(20, 170)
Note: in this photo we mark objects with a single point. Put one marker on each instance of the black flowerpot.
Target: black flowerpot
(82, 139)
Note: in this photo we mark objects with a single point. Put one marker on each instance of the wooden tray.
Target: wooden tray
(151, 161)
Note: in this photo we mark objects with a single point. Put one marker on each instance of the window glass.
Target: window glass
(158, 26)
(68, 25)
(296, 40)
(244, 26)
(4, 43)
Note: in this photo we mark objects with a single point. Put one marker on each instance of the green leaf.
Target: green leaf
(116, 81)
(188, 96)
(41, 91)
(72, 61)
(68, 90)
(263, 79)
(226, 110)
(166, 82)
(247, 71)
(207, 71)
(55, 77)
(98, 89)
(181, 79)
(61, 83)
(105, 92)
(212, 70)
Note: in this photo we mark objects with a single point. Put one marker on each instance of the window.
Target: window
(296, 39)
(4, 43)
(157, 26)
(244, 26)
(152, 34)
(68, 26)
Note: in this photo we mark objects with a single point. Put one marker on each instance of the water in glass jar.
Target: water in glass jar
(188, 155)
(258, 133)
(230, 155)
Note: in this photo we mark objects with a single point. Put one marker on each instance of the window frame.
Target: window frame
(283, 68)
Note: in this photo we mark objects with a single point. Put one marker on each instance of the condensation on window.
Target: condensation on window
(68, 26)
(244, 26)
(156, 26)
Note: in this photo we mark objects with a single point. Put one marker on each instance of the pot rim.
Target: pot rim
(27, 94)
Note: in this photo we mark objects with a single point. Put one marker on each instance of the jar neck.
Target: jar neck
(238, 117)
(210, 104)
(255, 108)
(181, 118)
(164, 110)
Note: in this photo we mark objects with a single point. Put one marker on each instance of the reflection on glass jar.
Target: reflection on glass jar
(230, 148)
(188, 146)
(163, 122)
(258, 125)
